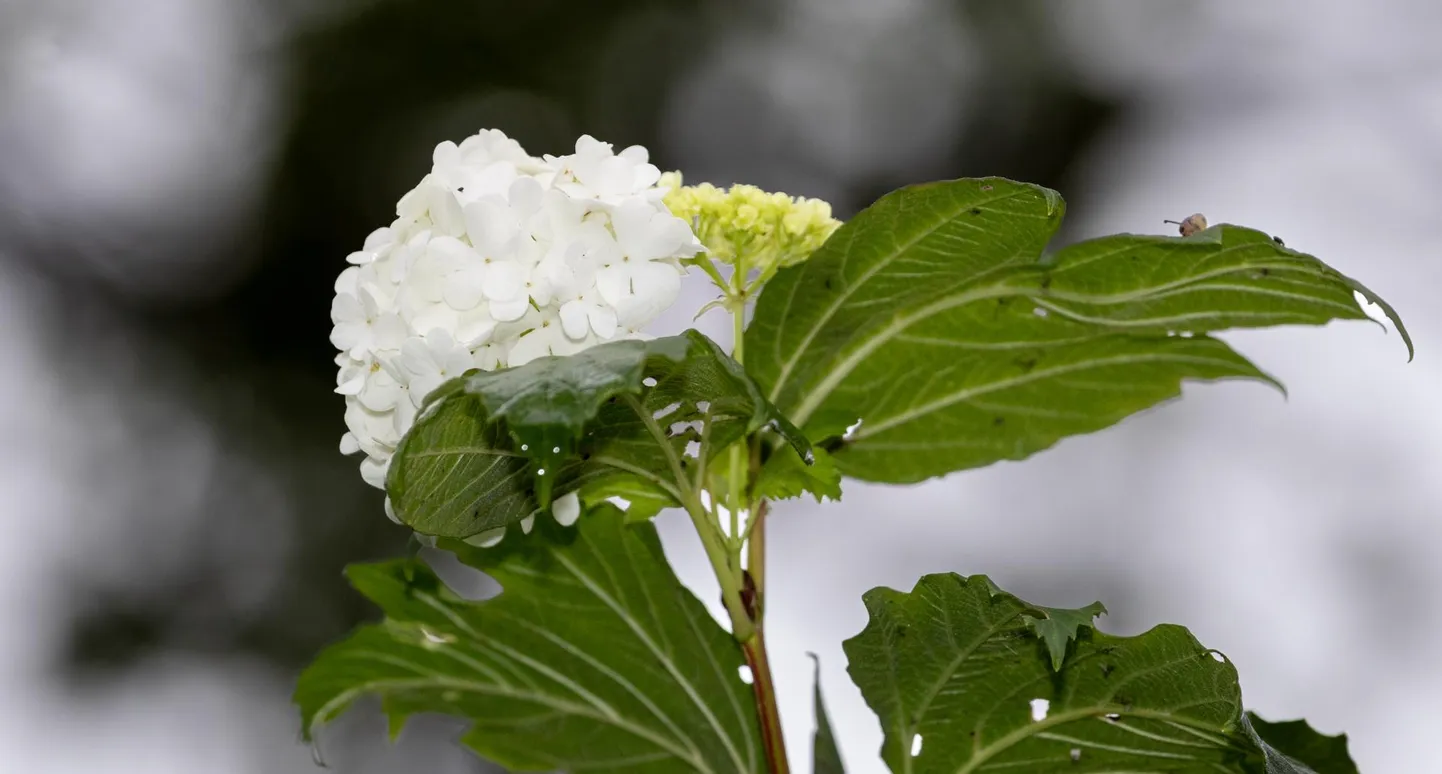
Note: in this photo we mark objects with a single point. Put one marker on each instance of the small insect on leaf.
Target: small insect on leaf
(1191, 225)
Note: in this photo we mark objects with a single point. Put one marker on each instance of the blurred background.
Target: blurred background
(180, 181)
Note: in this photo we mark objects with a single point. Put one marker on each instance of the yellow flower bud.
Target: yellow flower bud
(761, 229)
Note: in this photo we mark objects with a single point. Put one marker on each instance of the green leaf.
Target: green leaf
(825, 757)
(1297, 740)
(934, 319)
(958, 670)
(642, 501)
(786, 475)
(547, 403)
(594, 657)
(492, 447)
(1058, 626)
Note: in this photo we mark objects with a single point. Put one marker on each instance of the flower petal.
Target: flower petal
(352, 385)
(614, 283)
(465, 289)
(450, 254)
(374, 471)
(380, 238)
(536, 344)
(567, 509)
(475, 328)
(603, 320)
(636, 154)
(511, 309)
(488, 538)
(505, 280)
(573, 319)
(653, 287)
(446, 212)
(346, 308)
(525, 195)
(388, 331)
(446, 155)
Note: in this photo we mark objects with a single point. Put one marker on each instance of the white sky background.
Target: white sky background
(1297, 536)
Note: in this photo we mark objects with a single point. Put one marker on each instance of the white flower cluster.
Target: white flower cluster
(495, 259)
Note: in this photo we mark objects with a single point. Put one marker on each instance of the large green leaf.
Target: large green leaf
(593, 657)
(490, 448)
(958, 674)
(934, 319)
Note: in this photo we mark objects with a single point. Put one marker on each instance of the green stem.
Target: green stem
(763, 686)
(736, 302)
(756, 555)
(704, 262)
(742, 627)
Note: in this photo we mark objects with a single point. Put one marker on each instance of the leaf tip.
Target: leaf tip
(1055, 205)
(1391, 313)
(395, 723)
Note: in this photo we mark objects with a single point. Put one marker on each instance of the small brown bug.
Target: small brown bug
(1193, 224)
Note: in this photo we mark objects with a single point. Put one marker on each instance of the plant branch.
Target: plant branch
(764, 688)
(703, 261)
(756, 555)
(736, 302)
(743, 470)
(742, 625)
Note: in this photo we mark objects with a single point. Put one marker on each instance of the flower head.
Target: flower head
(496, 258)
(746, 225)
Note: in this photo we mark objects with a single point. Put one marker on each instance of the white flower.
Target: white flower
(428, 362)
(466, 277)
(362, 326)
(547, 338)
(473, 169)
(497, 258)
(588, 312)
(377, 245)
(374, 431)
(594, 171)
(637, 274)
(381, 389)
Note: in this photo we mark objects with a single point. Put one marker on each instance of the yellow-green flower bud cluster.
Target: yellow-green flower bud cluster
(760, 230)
